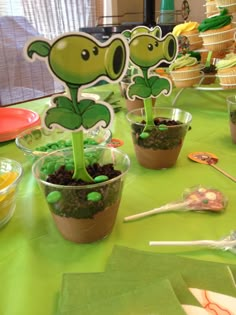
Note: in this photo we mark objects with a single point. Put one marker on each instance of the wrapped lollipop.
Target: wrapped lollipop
(194, 199)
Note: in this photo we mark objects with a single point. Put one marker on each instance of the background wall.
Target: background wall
(132, 10)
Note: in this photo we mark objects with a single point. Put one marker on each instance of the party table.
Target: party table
(34, 256)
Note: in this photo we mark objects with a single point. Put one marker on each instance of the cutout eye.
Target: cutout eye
(150, 47)
(85, 54)
(95, 51)
(156, 43)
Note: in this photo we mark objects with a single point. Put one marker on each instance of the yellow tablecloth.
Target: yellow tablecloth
(33, 255)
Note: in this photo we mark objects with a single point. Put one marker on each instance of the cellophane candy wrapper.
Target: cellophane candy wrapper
(203, 198)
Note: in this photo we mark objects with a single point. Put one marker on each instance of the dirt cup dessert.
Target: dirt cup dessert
(217, 31)
(186, 71)
(209, 74)
(190, 30)
(160, 145)
(226, 71)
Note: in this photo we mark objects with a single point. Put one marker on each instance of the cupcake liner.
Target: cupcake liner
(230, 5)
(222, 45)
(224, 2)
(181, 74)
(211, 8)
(210, 14)
(195, 41)
(187, 82)
(227, 77)
(217, 36)
(195, 45)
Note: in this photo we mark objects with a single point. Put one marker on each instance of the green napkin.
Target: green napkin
(156, 299)
(197, 274)
(79, 289)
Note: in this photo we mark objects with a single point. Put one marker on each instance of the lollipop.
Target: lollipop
(194, 199)
(228, 242)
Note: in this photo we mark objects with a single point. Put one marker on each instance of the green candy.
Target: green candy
(69, 166)
(54, 196)
(144, 135)
(100, 178)
(90, 141)
(162, 127)
(94, 196)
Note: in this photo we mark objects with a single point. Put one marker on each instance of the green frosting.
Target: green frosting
(184, 61)
(215, 22)
(228, 62)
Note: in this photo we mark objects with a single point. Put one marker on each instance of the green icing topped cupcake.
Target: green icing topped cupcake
(228, 62)
(184, 61)
(215, 22)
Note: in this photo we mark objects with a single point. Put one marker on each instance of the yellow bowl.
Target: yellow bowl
(10, 175)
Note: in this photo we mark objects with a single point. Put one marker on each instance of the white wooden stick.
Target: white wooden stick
(223, 172)
(165, 208)
(219, 244)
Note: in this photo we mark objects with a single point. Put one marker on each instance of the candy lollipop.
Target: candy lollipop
(226, 243)
(194, 199)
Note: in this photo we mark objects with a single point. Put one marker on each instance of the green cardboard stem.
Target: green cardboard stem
(148, 114)
(80, 171)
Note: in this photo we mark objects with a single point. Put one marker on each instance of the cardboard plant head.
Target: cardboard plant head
(155, 31)
(79, 61)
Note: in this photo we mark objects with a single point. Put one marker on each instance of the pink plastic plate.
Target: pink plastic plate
(14, 120)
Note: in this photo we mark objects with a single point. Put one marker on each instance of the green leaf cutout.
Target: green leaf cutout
(63, 102)
(159, 85)
(139, 90)
(95, 113)
(63, 117)
(139, 80)
(39, 47)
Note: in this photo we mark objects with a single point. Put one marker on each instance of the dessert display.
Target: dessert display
(217, 31)
(190, 30)
(226, 71)
(186, 71)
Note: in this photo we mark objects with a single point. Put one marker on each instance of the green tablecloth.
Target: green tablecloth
(33, 256)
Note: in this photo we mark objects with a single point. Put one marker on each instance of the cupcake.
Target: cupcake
(190, 30)
(217, 31)
(211, 8)
(230, 5)
(226, 71)
(185, 71)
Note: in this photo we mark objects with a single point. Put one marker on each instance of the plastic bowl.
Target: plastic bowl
(10, 176)
(38, 141)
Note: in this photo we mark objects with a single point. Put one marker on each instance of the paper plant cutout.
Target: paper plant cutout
(79, 61)
(147, 51)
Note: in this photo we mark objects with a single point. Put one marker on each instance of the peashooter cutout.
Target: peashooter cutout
(79, 61)
(147, 50)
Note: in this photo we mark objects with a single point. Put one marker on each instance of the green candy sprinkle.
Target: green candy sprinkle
(69, 166)
(54, 196)
(100, 178)
(50, 167)
(144, 135)
(90, 141)
(162, 127)
(94, 196)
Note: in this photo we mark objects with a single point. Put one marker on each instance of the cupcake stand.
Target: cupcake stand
(212, 52)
